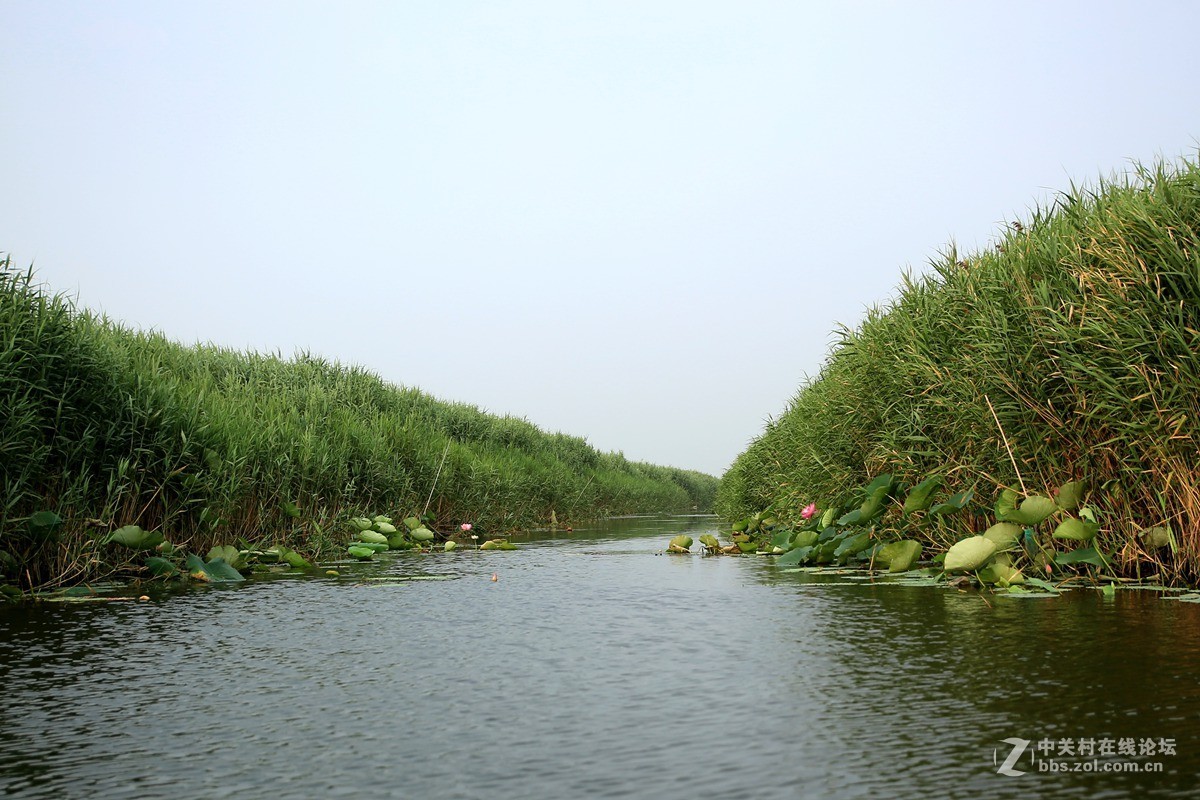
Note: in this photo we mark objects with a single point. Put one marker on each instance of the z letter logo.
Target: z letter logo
(1018, 747)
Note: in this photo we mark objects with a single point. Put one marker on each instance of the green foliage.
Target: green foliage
(679, 544)
(971, 553)
(210, 445)
(899, 556)
(1080, 329)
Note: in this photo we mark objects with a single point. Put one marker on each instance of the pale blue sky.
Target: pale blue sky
(632, 221)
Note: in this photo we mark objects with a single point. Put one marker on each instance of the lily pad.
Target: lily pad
(360, 552)
(899, 556)
(953, 505)
(804, 539)
(1032, 511)
(1159, 536)
(1004, 534)
(1070, 495)
(160, 567)
(1083, 555)
(1077, 530)
(971, 553)
(1043, 585)
(229, 554)
(135, 538)
(214, 571)
(852, 545)
(44, 525)
(920, 498)
(796, 555)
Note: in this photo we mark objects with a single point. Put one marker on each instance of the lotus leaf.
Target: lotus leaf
(1004, 534)
(361, 553)
(450, 545)
(852, 545)
(830, 515)
(216, 570)
(1002, 573)
(135, 538)
(1077, 530)
(293, 558)
(805, 539)
(1156, 537)
(381, 519)
(1032, 511)
(1083, 555)
(160, 567)
(954, 504)
(1070, 495)
(44, 525)
(921, 496)
(385, 527)
(422, 534)
(899, 556)
(796, 555)
(362, 523)
(412, 523)
(1041, 584)
(682, 542)
(851, 518)
(1006, 503)
(971, 553)
(373, 537)
(227, 553)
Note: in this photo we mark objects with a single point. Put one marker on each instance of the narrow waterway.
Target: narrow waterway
(595, 666)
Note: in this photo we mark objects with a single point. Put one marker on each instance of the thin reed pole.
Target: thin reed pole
(1011, 458)
(429, 499)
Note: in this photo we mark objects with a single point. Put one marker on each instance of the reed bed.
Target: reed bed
(109, 426)
(1080, 329)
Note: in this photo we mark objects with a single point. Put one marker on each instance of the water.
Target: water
(593, 667)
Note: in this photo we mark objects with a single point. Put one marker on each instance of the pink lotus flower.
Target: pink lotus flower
(809, 511)
(466, 526)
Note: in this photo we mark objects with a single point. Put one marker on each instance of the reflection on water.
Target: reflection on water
(594, 667)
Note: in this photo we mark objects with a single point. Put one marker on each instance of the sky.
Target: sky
(636, 222)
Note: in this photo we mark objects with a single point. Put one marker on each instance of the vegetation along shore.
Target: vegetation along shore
(121, 451)
(1031, 410)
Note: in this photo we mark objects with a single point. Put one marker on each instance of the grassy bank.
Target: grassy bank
(107, 426)
(1080, 330)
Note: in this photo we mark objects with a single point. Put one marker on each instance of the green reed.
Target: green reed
(1081, 328)
(109, 426)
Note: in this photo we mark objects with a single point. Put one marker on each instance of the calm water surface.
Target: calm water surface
(594, 667)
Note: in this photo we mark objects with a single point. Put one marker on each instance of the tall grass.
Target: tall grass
(110, 426)
(1081, 328)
